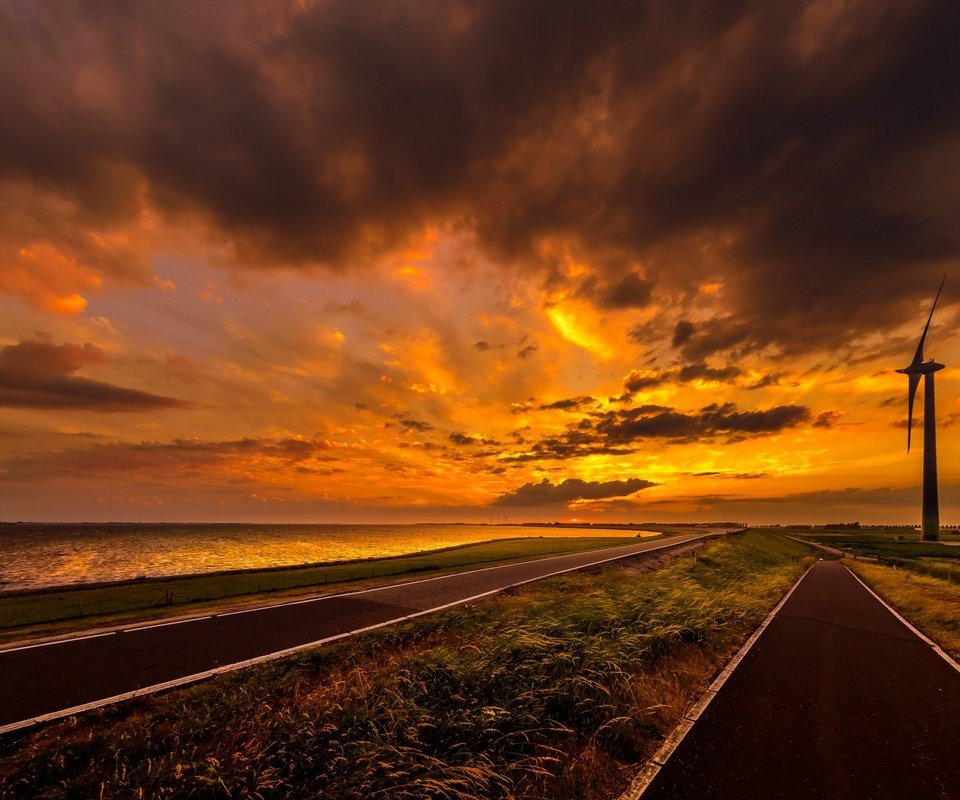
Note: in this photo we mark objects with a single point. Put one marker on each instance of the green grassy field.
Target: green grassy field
(891, 545)
(73, 609)
(558, 690)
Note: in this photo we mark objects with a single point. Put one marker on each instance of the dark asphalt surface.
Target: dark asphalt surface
(837, 699)
(40, 680)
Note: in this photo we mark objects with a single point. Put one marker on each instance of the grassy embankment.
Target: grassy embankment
(558, 690)
(45, 612)
(931, 603)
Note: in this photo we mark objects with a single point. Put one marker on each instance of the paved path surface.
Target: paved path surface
(49, 678)
(838, 699)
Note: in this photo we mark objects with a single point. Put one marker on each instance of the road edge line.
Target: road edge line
(238, 665)
(926, 639)
(642, 780)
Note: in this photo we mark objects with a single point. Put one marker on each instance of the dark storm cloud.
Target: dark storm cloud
(162, 458)
(801, 146)
(574, 442)
(700, 370)
(624, 431)
(720, 334)
(636, 380)
(569, 404)
(713, 421)
(525, 352)
(37, 374)
(682, 332)
(630, 291)
(410, 424)
(773, 379)
(546, 493)
(566, 404)
(826, 419)
(465, 440)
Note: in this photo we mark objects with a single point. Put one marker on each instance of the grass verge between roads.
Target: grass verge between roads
(74, 609)
(558, 690)
(931, 603)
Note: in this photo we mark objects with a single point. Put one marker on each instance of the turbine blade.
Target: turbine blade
(911, 395)
(918, 356)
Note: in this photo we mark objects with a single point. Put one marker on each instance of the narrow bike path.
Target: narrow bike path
(837, 700)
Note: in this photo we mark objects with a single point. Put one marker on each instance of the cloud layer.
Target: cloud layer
(795, 151)
(40, 375)
(436, 255)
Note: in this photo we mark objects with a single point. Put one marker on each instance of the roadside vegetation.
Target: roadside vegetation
(893, 546)
(557, 690)
(931, 603)
(45, 612)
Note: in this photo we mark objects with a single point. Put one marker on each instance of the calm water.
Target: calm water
(38, 555)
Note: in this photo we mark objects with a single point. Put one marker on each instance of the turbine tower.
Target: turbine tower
(918, 367)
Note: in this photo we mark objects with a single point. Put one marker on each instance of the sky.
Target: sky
(462, 261)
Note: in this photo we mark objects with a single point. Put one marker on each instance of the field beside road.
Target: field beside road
(77, 608)
(901, 546)
(560, 689)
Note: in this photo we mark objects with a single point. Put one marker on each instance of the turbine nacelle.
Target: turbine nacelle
(926, 368)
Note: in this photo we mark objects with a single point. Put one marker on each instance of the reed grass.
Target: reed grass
(557, 690)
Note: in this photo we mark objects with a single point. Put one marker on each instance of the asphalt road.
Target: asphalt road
(48, 679)
(837, 699)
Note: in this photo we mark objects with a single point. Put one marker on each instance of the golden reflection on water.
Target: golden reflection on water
(33, 556)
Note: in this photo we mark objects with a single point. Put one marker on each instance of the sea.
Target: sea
(37, 555)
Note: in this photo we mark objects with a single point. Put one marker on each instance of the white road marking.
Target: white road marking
(57, 641)
(150, 627)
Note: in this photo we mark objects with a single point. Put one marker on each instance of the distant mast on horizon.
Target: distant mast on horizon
(930, 520)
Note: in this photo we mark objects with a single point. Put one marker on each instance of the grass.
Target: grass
(902, 546)
(931, 603)
(78, 608)
(558, 690)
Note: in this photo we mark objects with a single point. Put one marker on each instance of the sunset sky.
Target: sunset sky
(442, 261)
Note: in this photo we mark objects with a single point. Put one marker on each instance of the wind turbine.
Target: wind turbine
(918, 367)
